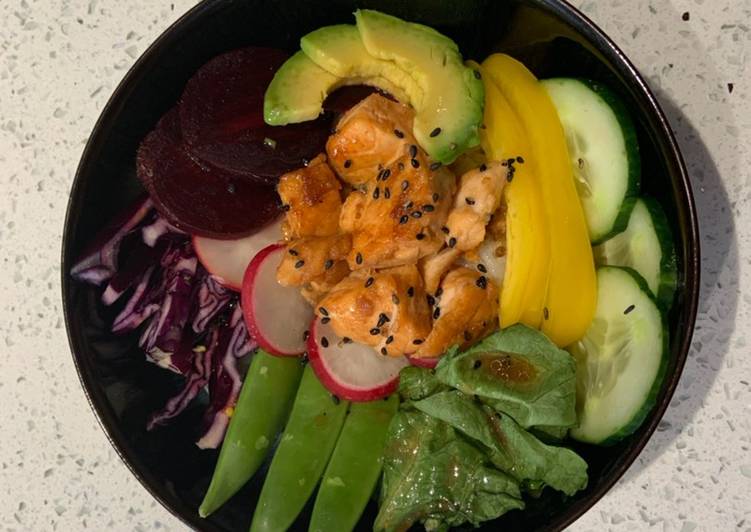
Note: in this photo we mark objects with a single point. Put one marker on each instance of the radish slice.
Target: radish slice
(277, 316)
(352, 371)
(227, 260)
(424, 362)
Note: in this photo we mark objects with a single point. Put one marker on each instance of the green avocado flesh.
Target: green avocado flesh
(415, 63)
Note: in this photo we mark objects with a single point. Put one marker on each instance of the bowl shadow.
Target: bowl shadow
(719, 270)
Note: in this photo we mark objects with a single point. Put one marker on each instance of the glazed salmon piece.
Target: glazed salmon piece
(312, 198)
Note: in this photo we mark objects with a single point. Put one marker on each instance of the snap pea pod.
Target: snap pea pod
(355, 466)
(262, 408)
(303, 452)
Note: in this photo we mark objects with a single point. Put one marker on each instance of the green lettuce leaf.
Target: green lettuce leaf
(508, 446)
(433, 475)
(519, 372)
(417, 383)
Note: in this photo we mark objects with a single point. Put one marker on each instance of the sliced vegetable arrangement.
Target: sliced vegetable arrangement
(433, 282)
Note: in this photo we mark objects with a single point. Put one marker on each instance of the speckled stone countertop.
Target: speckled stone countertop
(59, 62)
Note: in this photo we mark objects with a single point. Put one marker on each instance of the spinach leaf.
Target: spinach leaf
(434, 475)
(519, 372)
(511, 448)
(417, 383)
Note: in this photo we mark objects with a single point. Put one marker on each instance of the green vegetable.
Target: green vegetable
(622, 359)
(417, 383)
(302, 455)
(354, 468)
(261, 410)
(519, 372)
(434, 475)
(509, 447)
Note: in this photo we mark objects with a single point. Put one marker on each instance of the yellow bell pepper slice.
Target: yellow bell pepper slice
(572, 286)
(525, 280)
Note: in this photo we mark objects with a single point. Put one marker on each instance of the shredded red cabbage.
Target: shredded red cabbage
(192, 324)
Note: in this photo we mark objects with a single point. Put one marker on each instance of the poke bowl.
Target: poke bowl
(380, 265)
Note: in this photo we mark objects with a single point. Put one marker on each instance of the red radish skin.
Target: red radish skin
(327, 365)
(227, 260)
(197, 198)
(429, 363)
(276, 316)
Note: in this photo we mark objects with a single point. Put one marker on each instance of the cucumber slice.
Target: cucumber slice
(646, 245)
(604, 151)
(621, 360)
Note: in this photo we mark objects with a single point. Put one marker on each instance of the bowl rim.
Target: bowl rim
(104, 414)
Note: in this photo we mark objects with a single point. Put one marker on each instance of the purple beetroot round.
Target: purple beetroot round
(196, 197)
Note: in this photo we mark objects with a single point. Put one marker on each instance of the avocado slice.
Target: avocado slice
(415, 63)
(339, 50)
(448, 118)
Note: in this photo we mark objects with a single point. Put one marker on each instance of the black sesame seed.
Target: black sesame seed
(510, 161)
(325, 320)
(347, 163)
(323, 311)
(375, 331)
(299, 264)
(328, 264)
(358, 258)
(380, 175)
(382, 319)
(545, 313)
(428, 207)
(435, 166)
(481, 267)
(324, 341)
(629, 309)
(417, 341)
(405, 185)
(412, 151)
(436, 197)
(477, 364)
(411, 291)
(415, 163)
(477, 74)
(376, 192)
(431, 300)
(409, 205)
(435, 132)
(467, 336)
(384, 351)
(483, 167)
(420, 236)
(437, 313)
(520, 159)
(286, 207)
(386, 192)
(389, 339)
(469, 201)
(416, 214)
(347, 340)
(395, 299)
(386, 174)
(482, 282)
(510, 175)
(293, 252)
(304, 358)
(398, 134)
(369, 282)
(335, 398)
(686, 16)
(404, 219)
(305, 335)
(445, 229)
(452, 242)
(439, 292)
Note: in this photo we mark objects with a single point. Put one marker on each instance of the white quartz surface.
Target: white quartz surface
(59, 62)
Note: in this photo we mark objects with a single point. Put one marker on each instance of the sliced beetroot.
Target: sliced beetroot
(196, 197)
(221, 114)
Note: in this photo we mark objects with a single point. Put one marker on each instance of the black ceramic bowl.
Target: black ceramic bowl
(548, 35)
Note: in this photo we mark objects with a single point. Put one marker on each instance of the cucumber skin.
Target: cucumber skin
(669, 261)
(628, 128)
(638, 418)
